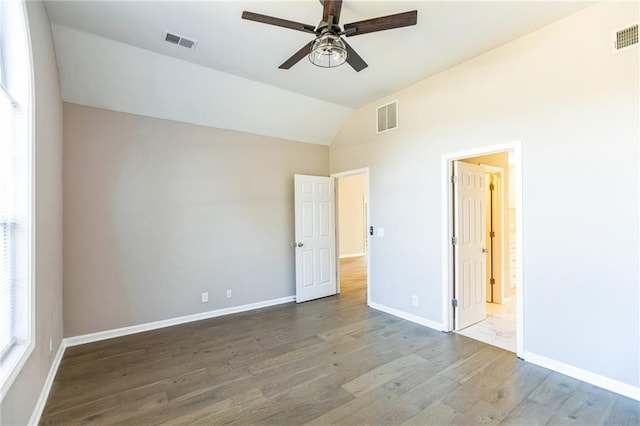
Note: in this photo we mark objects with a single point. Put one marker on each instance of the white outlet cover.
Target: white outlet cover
(205, 297)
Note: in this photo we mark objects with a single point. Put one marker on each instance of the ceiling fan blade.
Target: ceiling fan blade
(331, 8)
(382, 23)
(353, 59)
(297, 56)
(278, 22)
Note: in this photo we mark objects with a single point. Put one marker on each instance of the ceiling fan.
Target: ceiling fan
(328, 49)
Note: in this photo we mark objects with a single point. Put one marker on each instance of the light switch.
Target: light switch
(380, 232)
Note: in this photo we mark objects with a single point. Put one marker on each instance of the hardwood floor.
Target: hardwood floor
(329, 361)
(353, 278)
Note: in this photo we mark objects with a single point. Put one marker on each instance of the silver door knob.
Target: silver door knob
(485, 250)
(300, 244)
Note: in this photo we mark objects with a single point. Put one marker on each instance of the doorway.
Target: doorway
(491, 278)
(352, 237)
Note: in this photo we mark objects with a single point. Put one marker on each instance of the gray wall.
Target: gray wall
(157, 212)
(20, 401)
(574, 105)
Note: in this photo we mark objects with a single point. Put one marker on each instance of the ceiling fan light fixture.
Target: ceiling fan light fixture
(328, 51)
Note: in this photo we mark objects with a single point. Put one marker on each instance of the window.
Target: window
(16, 286)
(8, 111)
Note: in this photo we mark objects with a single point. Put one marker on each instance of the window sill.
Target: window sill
(12, 364)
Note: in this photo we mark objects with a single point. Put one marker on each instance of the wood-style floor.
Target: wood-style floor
(329, 361)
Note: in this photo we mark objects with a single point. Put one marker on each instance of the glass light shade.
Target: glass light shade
(328, 51)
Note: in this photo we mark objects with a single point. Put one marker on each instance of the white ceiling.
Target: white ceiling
(447, 34)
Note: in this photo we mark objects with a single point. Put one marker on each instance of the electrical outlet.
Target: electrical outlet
(205, 297)
(414, 300)
(50, 345)
(228, 293)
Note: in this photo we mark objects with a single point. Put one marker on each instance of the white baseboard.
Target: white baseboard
(604, 382)
(407, 316)
(46, 388)
(618, 387)
(108, 334)
(346, 256)
(124, 331)
(607, 383)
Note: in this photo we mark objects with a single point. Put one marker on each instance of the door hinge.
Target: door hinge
(492, 234)
(492, 281)
(454, 179)
(454, 241)
(492, 187)
(454, 303)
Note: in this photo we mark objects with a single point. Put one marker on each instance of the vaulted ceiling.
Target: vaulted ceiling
(246, 54)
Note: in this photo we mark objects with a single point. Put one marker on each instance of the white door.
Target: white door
(469, 249)
(315, 237)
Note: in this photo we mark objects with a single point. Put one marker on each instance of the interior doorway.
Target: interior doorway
(352, 237)
(483, 245)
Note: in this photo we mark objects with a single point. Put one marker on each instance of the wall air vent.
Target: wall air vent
(174, 38)
(388, 117)
(625, 38)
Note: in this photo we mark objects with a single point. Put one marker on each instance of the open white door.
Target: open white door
(469, 245)
(315, 237)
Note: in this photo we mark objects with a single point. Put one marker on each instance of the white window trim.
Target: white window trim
(18, 355)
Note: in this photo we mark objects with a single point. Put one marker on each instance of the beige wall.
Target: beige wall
(574, 105)
(17, 406)
(157, 212)
(351, 214)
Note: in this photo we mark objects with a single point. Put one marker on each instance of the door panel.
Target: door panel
(469, 257)
(307, 220)
(324, 220)
(308, 266)
(315, 237)
(325, 266)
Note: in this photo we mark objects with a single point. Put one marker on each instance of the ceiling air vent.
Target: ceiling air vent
(625, 38)
(388, 117)
(179, 40)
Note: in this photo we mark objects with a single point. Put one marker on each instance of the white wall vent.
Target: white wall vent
(174, 38)
(625, 38)
(388, 117)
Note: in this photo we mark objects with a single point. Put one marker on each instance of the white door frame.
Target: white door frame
(364, 171)
(447, 228)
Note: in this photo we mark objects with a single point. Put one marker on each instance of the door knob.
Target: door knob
(485, 250)
(300, 244)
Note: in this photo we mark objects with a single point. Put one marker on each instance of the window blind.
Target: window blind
(12, 121)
